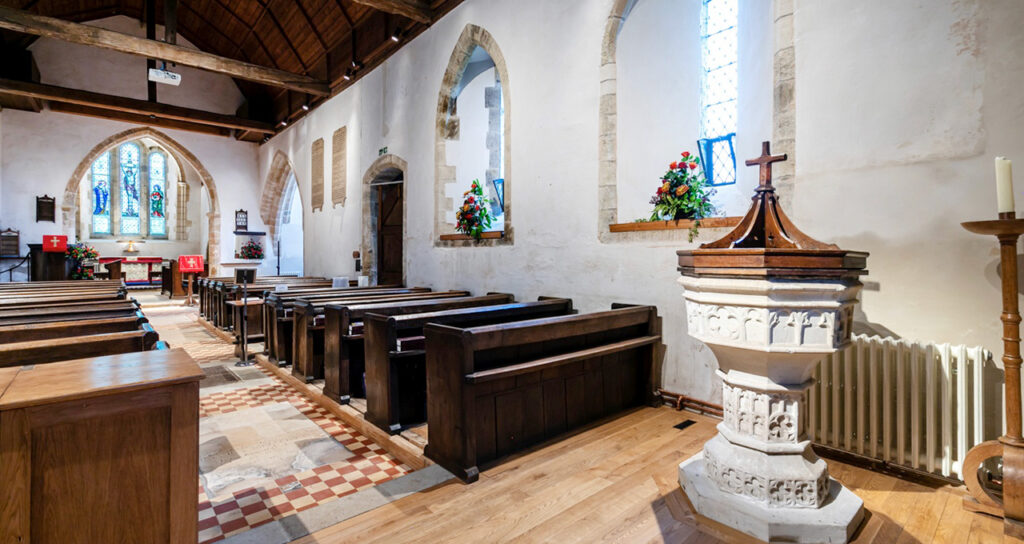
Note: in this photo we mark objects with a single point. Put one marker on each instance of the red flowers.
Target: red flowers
(686, 154)
(693, 166)
(673, 166)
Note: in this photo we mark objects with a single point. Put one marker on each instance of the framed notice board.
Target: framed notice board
(45, 206)
(10, 243)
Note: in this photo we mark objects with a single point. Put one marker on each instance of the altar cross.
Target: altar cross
(765, 160)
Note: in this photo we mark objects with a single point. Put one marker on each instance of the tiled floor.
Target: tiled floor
(266, 451)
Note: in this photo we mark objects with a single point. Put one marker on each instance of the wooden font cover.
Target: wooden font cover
(766, 243)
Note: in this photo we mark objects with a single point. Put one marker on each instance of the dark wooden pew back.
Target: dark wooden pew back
(497, 389)
(76, 347)
(59, 329)
(395, 358)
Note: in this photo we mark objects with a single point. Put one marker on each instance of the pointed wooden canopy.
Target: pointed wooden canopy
(767, 243)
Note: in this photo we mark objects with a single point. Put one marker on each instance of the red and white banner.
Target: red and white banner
(190, 263)
(55, 243)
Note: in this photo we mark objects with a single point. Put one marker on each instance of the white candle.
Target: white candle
(1004, 184)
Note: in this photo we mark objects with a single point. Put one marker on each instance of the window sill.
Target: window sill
(460, 237)
(681, 224)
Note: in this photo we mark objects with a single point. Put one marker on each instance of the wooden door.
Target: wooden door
(389, 234)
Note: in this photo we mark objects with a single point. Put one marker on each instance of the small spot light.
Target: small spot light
(356, 65)
(283, 124)
(396, 36)
(348, 75)
(305, 107)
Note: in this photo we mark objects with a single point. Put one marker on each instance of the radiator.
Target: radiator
(912, 404)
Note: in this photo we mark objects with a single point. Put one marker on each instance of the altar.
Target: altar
(138, 271)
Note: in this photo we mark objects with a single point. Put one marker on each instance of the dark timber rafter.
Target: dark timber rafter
(25, 22)
(417, 10)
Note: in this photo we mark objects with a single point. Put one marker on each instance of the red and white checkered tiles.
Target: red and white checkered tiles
(369, 465)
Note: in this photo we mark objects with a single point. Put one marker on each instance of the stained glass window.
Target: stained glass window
(157, 195)
(131, 222)
(101, 195)
(718, 89)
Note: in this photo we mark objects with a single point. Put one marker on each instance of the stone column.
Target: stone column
(759, 475)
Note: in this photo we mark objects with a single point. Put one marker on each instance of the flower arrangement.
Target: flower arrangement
(250, 250)
(77, 253)
(473, 219)
(683, 192)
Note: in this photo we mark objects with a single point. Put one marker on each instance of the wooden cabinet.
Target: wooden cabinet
(100, 450)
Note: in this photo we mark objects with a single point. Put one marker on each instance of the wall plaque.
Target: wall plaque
(241, 220)
(10, 243)
(45, 206)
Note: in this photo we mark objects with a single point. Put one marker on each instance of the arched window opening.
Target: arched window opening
(478, 155)
(290, 239)
(101, 195)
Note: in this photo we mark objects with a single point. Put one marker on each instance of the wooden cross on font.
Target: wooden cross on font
(765, 160)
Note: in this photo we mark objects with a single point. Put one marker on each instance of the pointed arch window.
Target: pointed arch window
(718, 89)
(129, 192)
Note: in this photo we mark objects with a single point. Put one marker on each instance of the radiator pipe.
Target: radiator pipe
(681, 401)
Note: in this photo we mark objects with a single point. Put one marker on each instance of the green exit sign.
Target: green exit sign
(382, 151)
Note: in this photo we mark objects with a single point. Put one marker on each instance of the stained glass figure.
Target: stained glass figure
(157, 196)
(101, 194)
(131, 222)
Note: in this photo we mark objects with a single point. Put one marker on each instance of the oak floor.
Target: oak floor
(616, 482)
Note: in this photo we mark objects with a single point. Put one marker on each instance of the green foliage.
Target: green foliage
(473, 218)
(684, 193)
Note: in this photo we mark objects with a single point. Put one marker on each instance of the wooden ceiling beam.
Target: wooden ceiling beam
(138, 119)
(417, 10)
(130, 105)
(49, 27)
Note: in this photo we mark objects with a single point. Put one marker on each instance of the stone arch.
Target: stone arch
(369, 247)
(447, 128)
(273, 191)
(178, 151)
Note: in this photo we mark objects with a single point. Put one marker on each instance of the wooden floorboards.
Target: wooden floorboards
(616, 482)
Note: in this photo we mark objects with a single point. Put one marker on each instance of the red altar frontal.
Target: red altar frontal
(138, 270)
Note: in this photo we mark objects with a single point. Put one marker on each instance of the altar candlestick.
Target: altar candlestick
(1004, 184)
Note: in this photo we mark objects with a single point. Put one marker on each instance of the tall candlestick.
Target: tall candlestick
(1004, 184)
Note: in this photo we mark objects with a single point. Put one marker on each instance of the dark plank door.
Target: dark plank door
(389, 234)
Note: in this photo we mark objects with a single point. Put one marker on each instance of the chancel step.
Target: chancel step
(913, 404)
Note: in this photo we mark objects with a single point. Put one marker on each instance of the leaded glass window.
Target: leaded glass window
(101, 195)
(157, 196)
(718, 89)
(131, 222)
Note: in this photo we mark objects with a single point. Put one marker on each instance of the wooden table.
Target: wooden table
(100, 450)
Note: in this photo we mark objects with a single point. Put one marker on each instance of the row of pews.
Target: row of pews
(44, 322)
(488, 374)
(99, 420)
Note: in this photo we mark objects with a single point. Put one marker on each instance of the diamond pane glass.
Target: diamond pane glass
(718, 87)
(157, 195)
(101, 194)
(130, 206)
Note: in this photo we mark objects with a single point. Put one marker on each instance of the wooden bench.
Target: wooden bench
(100, 450)
(396, 379)
(496, 389)
(5, 286)
(102, 310)
(58, 329)
(75, 347)
(225, 291)
(278, 314)
(344, 348)
(308, 327)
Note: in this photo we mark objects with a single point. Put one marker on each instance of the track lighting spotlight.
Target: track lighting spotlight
(396, 36)
(305, 107)
(348, 75)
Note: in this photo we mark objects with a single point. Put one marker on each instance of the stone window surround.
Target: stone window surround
(783, 119)
(447, 128)
(272, 196)
(69, 204)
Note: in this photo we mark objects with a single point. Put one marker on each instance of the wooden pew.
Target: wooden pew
(224, 292)
(100, 450)
(279, 317)
(51, 284)
(344, 365)
(24, 316)
(59, 329)
(496, 389)
(396, 379)
(308, 327)
(75, 347)
(10, 303)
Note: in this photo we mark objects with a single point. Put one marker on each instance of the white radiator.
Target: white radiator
(918, 405)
